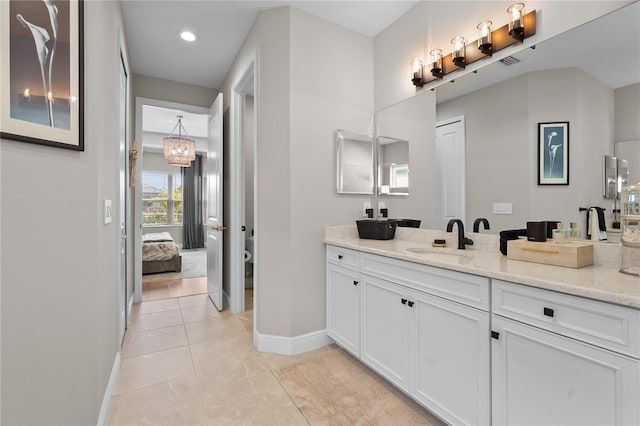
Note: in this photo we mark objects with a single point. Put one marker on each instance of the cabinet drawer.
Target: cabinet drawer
(603, 324)
(463, 288)
(342, 256)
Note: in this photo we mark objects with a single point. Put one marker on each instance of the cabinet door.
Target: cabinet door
(343, 307)
(451, 343)
(541, 378)
(385, 329)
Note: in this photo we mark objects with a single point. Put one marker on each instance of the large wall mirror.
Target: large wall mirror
(572, 77)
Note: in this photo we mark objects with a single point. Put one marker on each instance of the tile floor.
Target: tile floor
(156, 288)
(185, 363)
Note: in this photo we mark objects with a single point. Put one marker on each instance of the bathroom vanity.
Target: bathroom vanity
(477, 338)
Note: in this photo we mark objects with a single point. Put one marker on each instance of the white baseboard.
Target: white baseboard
(291, 345)
(129, 308)
(103, 417)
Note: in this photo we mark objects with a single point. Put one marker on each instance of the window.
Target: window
(161, 198)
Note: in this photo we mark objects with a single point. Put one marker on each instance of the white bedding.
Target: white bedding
(156, 237)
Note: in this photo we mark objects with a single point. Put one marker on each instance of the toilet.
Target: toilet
(248, 249)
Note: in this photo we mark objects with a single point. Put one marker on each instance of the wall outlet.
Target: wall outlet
(365, 205)
(502, 208)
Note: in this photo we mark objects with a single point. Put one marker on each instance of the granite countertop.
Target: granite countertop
(601, 281)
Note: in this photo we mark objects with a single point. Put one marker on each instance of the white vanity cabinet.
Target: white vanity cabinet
(427, 330)
(343, 298)
(562, 359)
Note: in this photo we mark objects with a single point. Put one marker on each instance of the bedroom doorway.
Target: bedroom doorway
(164, 199)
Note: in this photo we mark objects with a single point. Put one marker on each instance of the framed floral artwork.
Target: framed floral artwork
(41, 64)
(553, 153)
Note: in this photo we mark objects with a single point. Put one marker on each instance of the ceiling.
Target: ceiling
(152, 29)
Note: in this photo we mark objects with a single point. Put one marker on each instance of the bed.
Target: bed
(160, 254)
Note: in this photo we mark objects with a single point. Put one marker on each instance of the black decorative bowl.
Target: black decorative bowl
(408, 223)
(371, 229)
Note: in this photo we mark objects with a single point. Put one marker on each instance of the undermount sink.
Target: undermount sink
(432, 250)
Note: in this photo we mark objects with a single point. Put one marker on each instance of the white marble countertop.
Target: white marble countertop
(602, 281)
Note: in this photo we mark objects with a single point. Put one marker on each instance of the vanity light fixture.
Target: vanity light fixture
(179, 151)
(416, 72)
(484, 37)
(458, 54)
(436, 63)
(516, 23)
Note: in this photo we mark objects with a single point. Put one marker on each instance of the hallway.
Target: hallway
(185, 363)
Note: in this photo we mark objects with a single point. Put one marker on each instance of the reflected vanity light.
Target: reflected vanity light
(416, 72)
(516, 24)
(484, 37)
(458, 55)
(436, 63)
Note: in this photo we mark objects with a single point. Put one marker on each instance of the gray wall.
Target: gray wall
(627, 113)
(172, 91)
(302, 99)
(501, 145)
(59, 261)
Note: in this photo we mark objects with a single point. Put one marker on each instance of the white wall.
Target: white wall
(331, 88)
(432, 24)
(313, 78)
(268, 38)
(249, 161)
(501, 145)
(59, 261)
(627, 113)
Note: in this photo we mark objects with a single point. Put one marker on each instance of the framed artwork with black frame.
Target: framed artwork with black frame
(41, 64)
(553, 153)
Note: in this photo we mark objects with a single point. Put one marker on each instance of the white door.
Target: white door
(450, 170)
(215, 222)
(385, 329)
(541, 378)
(451, 359)
(122, 203)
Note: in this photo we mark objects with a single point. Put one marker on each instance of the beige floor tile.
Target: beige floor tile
(223, 356)
(276, 360)
(151, 295)
(173, 403)
(145, 342)
(188, 287)
(155, 306)
(195, 300)
(253, 398)
(218, 328)
(155, 320)
(246, 319)
(155, 368)
(200, 313)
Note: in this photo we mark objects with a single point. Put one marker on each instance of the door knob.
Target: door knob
(218, 228)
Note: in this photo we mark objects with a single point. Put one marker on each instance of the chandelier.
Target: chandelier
(179, 151)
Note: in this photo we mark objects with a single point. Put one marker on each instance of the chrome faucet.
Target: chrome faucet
(478, 221)
(462, 240)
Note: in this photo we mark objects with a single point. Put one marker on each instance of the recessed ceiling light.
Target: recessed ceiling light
(188, 36)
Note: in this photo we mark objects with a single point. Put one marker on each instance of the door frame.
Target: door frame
(247, 78)
(137, 217)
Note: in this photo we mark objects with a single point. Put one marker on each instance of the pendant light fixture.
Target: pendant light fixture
(179, 150)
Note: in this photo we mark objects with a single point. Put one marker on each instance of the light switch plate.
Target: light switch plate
(502, 208)
(107, 211)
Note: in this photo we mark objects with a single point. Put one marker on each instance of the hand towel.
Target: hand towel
(596, 228)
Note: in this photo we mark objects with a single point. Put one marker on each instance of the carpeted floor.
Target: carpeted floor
(194, 264)
(332, 388)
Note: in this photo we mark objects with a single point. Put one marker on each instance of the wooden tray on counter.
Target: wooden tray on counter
(574, 254)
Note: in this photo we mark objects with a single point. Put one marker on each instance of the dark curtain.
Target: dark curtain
(192, 208)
